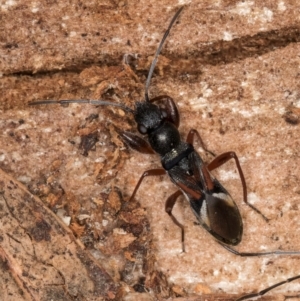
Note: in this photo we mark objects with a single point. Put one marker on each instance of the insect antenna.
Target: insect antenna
(93, 102)
(158, 52)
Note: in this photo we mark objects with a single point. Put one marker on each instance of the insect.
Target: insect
(158, 119)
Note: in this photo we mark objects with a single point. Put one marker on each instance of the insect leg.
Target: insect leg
(135, 142)
(170, 202)
(171, 109)
(222, 159)
(190, 139)
(147, 173)
(264, 291)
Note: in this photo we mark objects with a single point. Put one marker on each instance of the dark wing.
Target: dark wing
(211, 203)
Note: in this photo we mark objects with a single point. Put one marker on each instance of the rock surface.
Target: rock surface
(232, 68)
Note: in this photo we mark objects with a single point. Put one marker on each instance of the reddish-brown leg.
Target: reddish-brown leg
(170, 202)
(170, 108)
(190, 139)
(147, 173)
(136, 142)
(222, 159)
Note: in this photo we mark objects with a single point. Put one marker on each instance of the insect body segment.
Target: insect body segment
(216, 210)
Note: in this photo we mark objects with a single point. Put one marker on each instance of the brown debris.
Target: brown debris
(292, 114)
(53, 263)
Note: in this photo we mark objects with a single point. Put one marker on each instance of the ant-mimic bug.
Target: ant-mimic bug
(211, 203)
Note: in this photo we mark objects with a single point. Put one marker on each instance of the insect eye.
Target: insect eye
(142, 129)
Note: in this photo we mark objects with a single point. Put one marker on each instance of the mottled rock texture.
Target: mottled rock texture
(233, 69)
